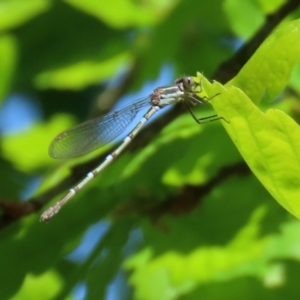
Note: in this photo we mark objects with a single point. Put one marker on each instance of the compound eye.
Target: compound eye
(188, 81)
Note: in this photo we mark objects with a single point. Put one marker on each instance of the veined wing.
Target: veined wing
(95, 133)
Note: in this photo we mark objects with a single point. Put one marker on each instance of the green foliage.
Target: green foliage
(269, 142)
(172, 274)
(37, 157)
(267, 72)
(179, 216)
(16, 12)
(8, 56)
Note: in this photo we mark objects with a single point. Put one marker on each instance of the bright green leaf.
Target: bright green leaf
(81, 74)
(172, 274)
(269, 69)
(243, 24)
(269, 6)
(34, 143)
(16, 12)
(133, 13)
(40, 287)
(269, 142)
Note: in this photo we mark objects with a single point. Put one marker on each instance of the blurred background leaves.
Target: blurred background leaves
(178, 215)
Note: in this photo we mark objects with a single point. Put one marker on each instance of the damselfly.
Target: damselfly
(97, 132)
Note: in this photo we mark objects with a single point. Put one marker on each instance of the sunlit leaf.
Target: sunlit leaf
(81, 74)
(170, 275)
(28, 150)
(269, 69)
(15, 12)
(40, 287)
(240, 21)
(269, 143)
(133, 13)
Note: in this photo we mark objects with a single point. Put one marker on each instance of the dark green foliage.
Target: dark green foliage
(188, 210)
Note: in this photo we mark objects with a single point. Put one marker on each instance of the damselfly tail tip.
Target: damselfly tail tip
(47, 215)
(44, 218)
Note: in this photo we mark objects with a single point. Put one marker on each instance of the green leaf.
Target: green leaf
(240, 21)
(33, 155)
(173, 274)
(16, 12)
(133, 13)
(80, 74)
(40, 287)
(269, 142)
(8, 57)
(269, 69)
(68, 59)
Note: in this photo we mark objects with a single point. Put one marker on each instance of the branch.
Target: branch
(185, 201)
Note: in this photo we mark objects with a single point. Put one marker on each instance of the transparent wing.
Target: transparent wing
(95, 133)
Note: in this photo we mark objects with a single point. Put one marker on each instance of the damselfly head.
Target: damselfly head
(185, 83)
